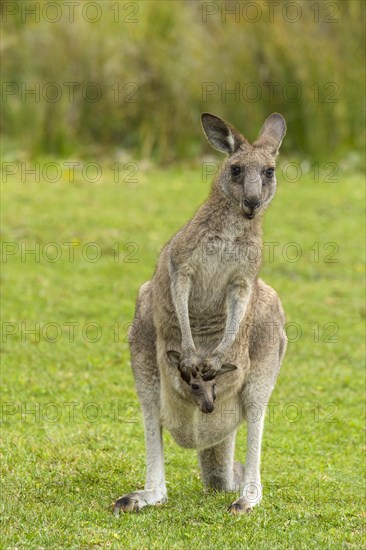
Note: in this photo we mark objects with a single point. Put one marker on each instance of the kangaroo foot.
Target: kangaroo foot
(240, 507)
(134, 502)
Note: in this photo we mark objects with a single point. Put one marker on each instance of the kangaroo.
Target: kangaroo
(207, 340)
(203, 390)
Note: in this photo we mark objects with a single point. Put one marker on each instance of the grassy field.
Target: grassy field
(72, 435)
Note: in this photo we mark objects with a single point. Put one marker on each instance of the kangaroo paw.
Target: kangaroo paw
(240, 507)
(134, 502)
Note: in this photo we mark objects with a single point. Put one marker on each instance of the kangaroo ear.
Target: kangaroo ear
(272, 133)
(174, 358)
(220, 134)
(227, 367)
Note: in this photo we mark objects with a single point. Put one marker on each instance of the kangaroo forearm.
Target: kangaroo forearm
(237, 306)
(180, 288)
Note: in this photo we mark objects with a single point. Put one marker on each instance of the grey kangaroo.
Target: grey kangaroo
(207, 340)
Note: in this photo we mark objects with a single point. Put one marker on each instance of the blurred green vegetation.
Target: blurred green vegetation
(156, 65)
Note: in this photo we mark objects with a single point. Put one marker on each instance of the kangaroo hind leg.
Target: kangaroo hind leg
(218, 469)
(147, 380)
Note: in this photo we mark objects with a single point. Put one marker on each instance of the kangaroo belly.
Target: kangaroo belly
(193, 429)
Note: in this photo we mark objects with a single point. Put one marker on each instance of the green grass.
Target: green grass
(64, 460)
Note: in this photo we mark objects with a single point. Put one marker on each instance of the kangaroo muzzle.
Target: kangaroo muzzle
(207, 407)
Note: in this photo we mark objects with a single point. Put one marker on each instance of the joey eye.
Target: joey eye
(235, 170)
(269, 172)
(195, 386)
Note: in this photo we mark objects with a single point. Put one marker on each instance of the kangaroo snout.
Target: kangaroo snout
(207, 407)
(252, 203)
(250, 207)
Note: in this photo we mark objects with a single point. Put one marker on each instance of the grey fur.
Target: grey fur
(205, 319)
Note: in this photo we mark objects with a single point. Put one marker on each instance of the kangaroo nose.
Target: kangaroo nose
(252, 204)
(208, 407)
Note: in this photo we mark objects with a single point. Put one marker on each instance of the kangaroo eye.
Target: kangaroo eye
(195, 386)
(269, 172)
(235, 170)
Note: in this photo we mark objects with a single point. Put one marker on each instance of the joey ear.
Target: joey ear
(227, 367)
(174, 358)
(272, 133)
(220, 134)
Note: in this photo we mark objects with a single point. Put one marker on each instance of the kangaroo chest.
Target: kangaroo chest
(218, 262)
